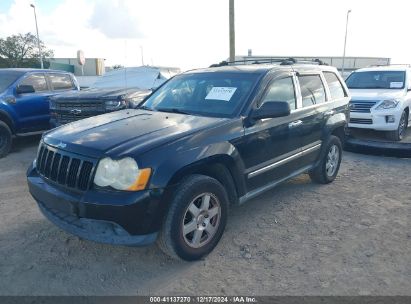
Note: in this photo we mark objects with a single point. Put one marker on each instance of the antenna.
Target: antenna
(125, 61)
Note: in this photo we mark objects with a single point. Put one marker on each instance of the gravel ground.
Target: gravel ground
(351, 237)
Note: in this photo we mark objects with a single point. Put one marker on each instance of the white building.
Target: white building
(350, 63)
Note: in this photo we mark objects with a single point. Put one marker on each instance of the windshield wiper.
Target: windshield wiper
(145, 108)
(173, 110)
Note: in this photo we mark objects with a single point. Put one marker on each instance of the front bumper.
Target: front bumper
(375, 120)
(113, 217)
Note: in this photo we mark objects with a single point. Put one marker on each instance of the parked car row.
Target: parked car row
(32, 101)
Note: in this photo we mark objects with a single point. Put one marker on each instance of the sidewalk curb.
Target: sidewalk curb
(395, 149)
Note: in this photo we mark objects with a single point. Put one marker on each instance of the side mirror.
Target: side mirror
(24, 89)
(271, 109)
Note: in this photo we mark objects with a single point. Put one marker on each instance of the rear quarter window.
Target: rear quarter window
(336, 89)
(312, 90)
(61, 82)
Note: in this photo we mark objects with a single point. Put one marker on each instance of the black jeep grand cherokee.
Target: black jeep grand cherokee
(206, 139)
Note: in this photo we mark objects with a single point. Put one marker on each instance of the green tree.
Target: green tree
(20, 50)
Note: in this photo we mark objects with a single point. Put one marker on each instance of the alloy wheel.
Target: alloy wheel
(201, 220)
(333, 157)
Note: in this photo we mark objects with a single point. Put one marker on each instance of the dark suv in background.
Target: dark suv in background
(24, 101)
(114, 91)
(208, 138)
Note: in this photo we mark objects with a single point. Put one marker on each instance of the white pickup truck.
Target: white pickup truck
(381, 99)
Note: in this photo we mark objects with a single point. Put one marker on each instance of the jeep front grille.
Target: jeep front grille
(66, 169)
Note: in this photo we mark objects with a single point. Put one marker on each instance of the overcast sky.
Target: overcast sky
(194, 33)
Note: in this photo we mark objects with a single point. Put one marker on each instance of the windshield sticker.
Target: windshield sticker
(221, 93)
(396, 85)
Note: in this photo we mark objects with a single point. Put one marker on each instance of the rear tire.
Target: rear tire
(196, 219)
(5, 139)
(327, 170)
(398, 135)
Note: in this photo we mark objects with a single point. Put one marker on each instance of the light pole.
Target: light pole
(38, 38)
(142, 55)
(345, 43)
(232, 30)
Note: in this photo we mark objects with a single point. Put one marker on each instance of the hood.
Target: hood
(97, 93)
(375, 94)
(126, 132)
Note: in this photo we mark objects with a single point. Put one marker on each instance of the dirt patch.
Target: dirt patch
(351, 237)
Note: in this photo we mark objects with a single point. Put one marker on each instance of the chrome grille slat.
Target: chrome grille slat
(362, 106)
(63, 170)
(43, 160)
(54, 166)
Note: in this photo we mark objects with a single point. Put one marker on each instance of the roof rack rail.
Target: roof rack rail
(281, 61)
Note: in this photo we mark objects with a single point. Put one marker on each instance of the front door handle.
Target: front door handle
(295, 124)
(329, 113)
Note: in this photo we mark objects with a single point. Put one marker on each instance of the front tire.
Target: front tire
(326, 171)
(5, 139)
(398, 135)
(196, 219)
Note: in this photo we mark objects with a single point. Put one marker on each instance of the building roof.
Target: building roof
(27, 70)
(385, 68)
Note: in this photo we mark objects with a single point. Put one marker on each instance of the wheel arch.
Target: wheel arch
(6, 118)
(220, 167)
(340, 132)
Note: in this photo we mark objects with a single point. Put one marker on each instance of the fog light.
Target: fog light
(390, 118)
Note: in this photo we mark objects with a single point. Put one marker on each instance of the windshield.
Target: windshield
(376, 80)
(7, 78)
(207, 94)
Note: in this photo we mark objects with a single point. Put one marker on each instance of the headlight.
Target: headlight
(388, 104)
(115, 104)
(121, 174)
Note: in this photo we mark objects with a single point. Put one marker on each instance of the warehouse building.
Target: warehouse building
(92, 66)
(350, 63)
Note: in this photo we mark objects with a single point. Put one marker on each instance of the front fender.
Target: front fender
(336, 121)
(173, 168)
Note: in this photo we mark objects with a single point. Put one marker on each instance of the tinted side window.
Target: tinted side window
(38, 81)
(61, 81)
(312, 90)
(281, 90)
(334, 84)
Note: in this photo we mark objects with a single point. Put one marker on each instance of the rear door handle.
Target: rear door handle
(329, 113)
(295, 124)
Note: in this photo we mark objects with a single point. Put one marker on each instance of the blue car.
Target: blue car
(24, 101)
